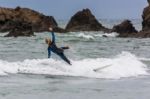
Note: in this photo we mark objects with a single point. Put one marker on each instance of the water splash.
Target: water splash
(123, 65)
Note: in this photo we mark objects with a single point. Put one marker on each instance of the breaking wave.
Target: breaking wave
(123, 65)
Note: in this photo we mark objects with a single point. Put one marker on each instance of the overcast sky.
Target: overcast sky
(102, 9)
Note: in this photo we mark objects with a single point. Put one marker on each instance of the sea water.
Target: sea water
(102, 67)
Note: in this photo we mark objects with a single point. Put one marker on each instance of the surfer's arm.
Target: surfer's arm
(53, 37)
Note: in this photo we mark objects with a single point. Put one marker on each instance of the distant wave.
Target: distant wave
(86, 36)
(123, 65)
(93, 35)
(90, 35)
(113, 34)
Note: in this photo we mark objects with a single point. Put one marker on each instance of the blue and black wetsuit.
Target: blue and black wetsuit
(59, 51)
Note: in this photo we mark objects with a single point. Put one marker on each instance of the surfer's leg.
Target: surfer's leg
(65, 47)
(64, 58)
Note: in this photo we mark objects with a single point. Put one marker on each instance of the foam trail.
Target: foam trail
(114, 34)
(92, 35)
(86, 36)
(123, 65)
(144, 59)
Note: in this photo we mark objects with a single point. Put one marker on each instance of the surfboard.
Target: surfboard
(100, 68)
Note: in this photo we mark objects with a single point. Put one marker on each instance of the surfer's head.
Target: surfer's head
(50, 29)
(48, 41)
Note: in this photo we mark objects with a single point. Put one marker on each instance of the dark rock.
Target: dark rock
(141, 34)
(84, 21)
(21, 29)
(15, 20)
(124, 29)
(59, 30)
(39, 22)
(145, 32)
(146, 19)
(17, 32)
(148, 1)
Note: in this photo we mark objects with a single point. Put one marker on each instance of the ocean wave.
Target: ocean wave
(144, 59)
(86, 36)
(114, 34)
(123, 65)
(89, 35)
(92, 35)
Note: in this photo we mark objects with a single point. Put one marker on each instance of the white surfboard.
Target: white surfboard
(100, 68)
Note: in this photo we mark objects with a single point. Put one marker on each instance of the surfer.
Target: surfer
(52, 47)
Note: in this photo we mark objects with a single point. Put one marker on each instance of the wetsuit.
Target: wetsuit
(59, 51)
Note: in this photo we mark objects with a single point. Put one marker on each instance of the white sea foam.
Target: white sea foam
(144, 59)
(114, 34)
(123, 65)
(93, 35)
(86, 36)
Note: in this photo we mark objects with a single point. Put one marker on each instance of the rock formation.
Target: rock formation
(148, 1)
(11, 18)
(84, 21)
(145, 32)
(124, 29)
(146, 18)
(20, 29)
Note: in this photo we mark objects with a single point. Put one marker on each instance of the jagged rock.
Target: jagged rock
(17, 32)
(148, 1)
(145, 32)
(84, 21)
(124, 29)
(141, 34)
(9, 19)
(146, 18)
(60, 30)
(21, 29)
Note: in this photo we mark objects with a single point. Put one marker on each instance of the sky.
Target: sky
(64, 9)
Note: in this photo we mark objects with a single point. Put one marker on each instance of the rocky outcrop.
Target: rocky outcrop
(20, 29)
(125, 29)
(148, 1)
(84, 21)
(141, 34)
(18, 32)
(146, 18)
(145, 32)
(11, 18)
(60, 30)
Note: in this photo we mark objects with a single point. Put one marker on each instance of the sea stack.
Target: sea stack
(13, 20)
(20, 29)
(84, 21)
(148, 1)
(125, 29)
(146, 18)
(38, 21)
